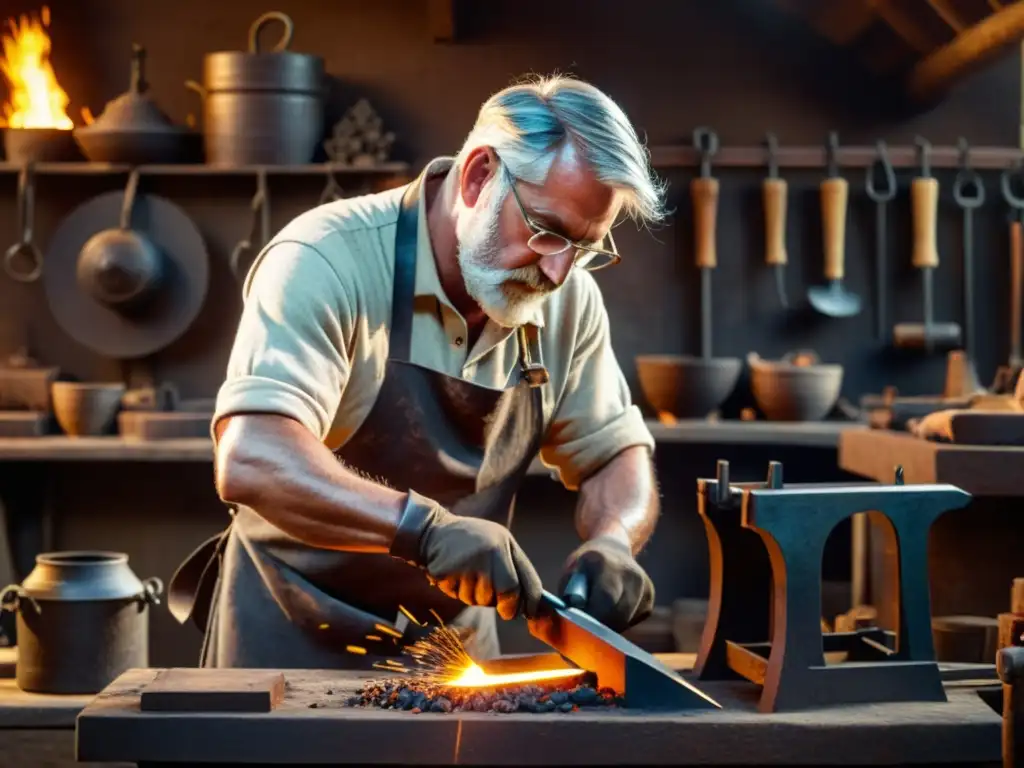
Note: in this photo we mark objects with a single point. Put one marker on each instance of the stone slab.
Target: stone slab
(113, 728)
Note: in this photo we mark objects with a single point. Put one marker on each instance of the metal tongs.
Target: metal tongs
(644, 682)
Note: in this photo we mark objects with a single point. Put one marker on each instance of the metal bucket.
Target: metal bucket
(82, 621)
(262, 107)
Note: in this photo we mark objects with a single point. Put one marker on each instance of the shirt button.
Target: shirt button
(458, 341)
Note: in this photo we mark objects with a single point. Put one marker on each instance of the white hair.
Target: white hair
(530, 122)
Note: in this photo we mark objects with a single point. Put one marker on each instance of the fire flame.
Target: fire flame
(474, 677)
(36, 99)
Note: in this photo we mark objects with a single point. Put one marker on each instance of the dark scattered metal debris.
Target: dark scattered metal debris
(415, 697)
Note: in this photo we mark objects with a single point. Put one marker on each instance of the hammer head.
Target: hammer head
(944, 336)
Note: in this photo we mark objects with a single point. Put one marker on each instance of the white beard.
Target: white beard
(490, 286)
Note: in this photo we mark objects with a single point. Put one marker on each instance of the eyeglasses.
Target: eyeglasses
(544, 242)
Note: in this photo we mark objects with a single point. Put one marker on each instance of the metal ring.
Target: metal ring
(968, 187)
(286, 38)
(1005, 179)
(881, 196)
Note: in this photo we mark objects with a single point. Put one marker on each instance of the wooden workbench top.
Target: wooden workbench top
(113, 728)
(981, 470)
(697, 431)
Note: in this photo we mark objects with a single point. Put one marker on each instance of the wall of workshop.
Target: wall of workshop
(738, 67)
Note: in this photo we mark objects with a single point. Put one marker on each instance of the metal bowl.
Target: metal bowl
(687, 387)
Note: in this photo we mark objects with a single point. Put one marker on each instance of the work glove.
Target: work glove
(620, 594)
(472, 560)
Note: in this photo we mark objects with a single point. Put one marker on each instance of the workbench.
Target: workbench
(964, 730)
(974, 553)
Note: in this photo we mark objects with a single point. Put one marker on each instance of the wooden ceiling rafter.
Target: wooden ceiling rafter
(948, 14)
(903, 24)
(976, 46)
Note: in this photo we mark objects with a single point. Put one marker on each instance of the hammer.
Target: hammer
(1010, 666)
(924, 197)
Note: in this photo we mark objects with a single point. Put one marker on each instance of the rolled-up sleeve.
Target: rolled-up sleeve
(290, 353)
(595, 419)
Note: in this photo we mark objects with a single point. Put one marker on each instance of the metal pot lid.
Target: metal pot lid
(172, 309)
(133, 111)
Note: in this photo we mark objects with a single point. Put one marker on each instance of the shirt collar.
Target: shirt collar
(428, 283)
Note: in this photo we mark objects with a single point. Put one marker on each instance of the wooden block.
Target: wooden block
(213, 690)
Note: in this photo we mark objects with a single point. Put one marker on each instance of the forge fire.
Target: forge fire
(36, 99)
(416, 696)
(440, 676)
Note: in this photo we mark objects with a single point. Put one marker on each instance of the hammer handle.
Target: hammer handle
(924, 198)
(704, 192)
(774, 191)
(834, 195)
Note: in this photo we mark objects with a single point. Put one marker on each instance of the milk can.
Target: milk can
(82, 620)
(262, 107)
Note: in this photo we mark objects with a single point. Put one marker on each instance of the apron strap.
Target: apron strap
(190, 592)
(531, 361)
(404, 293)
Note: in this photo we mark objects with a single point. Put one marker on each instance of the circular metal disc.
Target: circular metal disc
(177, 301)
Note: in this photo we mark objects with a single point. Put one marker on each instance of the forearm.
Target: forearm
(273, 465)
(620, 499)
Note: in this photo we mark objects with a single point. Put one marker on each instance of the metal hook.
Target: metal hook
(968, 188)
(772, 142)
(706, 142)
(332, 189)
(924, 154)
(260, 224)
(1006, 181)
(832, 154)
(889, 192)
(25, 248)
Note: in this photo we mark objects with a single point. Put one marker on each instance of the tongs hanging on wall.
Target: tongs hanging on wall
(246, 250)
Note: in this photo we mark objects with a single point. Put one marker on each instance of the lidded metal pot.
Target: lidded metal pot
(82, 620)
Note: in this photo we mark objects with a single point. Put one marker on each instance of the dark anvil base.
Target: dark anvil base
(114, 729)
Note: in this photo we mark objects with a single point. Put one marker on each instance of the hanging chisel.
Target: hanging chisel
(704, 193)
(774, 193)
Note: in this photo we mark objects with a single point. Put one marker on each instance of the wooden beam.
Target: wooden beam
(948, 14)
(442, 18)
(972, 49)
(903, 24)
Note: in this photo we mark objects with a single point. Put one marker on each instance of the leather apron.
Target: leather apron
(266, 600)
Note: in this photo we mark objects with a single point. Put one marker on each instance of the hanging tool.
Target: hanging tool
(774, 192)
(23, 261)
(246, 250)
(969, 194)
(833, 299)
(924, 195)
(1016, 204)
(704, 193)
(645, 682)
(881, 196)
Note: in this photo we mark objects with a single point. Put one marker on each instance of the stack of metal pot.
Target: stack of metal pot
(83, 620)
(262, 107)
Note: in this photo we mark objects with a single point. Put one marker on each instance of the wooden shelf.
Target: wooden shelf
(685, 156)
(61, 448)
(108, 169)
(981, 470)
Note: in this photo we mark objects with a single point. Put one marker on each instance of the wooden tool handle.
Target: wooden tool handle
(834, 194)
(704, 192)
(924, 197)
(775, 221)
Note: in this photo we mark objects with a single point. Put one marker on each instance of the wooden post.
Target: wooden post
(1011, 625)
(1010, 665)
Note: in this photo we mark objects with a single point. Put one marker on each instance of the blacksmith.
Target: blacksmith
(401, 359)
